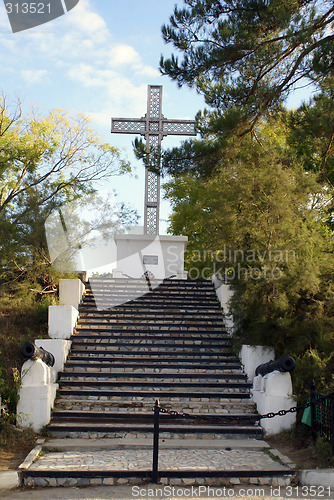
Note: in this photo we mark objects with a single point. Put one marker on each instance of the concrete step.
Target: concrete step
(153, 394)
(137, 328)
(92, 366)
(157, 356)
(199, 324)
(148, 417)
(152, 286)
(160, 305)
(129, 443)
(145, 346)
(166, 282)
(175, 431)
(154, 385)
(167, 297)
(238, 407)
(159, 290)
(165, 286)
(144, 304)
(133, 313)
(173, 352)
(110, 342)
(150, 376)
(195, 338)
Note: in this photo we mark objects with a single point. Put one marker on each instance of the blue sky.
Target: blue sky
(98, 60)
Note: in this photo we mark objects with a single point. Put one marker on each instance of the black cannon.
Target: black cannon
(30, 351)
(285, 364)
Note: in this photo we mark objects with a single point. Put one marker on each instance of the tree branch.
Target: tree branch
(324, 160)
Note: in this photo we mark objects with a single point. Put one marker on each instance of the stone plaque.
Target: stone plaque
(150, 260)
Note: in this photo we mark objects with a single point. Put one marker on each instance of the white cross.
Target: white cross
(154, 127)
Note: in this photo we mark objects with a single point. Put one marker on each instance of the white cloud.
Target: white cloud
(102, 118)
(122, 96)
(34, 76)
(4, 21)
(90, 76)
(81, 40)
(145, 70)
(77, 53)
(81, 33)
(123, 54)
(90, 23)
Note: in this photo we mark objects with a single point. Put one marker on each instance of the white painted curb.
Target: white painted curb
(321, 477)
(9, 480)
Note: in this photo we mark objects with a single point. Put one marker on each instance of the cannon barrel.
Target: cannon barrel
(285, 364)
(31, 351)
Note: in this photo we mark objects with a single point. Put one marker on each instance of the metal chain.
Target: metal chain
(217, 419)
(243, 418)
(281, 413)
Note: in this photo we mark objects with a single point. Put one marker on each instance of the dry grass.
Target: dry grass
(14, 445)
(298, 445)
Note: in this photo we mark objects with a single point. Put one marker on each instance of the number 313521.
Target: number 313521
(308, 491)
(28, 8)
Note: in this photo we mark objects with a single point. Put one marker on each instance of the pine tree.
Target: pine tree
(246, 56)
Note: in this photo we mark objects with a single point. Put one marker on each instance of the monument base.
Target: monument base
(161, 256)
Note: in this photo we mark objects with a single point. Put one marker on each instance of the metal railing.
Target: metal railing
(322, 415)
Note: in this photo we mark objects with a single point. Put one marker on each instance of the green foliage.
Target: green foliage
(9, 393)
(23, 317)
(261, 221)
(305, 453)
(311, 135)
(322, 451)
(246, 56)
(45, 162)
(14, 440)
(102, 275)
(254, 194)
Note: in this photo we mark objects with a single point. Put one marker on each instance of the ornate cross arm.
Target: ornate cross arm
(128, 126)
(143, 126)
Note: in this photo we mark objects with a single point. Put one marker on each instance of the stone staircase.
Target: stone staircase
(168, 344)
(135, 342)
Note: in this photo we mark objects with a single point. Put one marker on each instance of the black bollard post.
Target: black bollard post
(155, 467)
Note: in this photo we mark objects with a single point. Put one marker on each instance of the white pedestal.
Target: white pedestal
(272, 393)
(62, 320)
(161, 255)
(224, 293)
(252, 356)
(70, 292)
(37, 394)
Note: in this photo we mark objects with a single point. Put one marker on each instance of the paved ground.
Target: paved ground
(228, 454)
(248, 456)
(173, 459)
